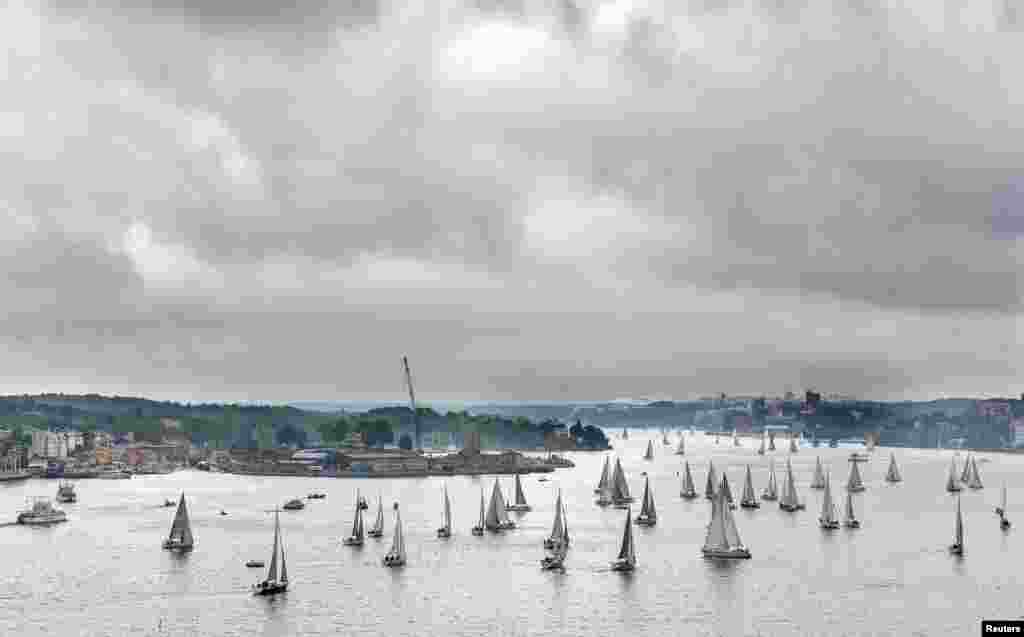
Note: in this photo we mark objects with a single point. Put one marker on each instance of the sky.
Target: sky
(533, 200)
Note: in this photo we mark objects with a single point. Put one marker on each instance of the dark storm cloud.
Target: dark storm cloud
(364, 161)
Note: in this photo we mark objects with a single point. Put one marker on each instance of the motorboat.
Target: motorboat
(41, 512)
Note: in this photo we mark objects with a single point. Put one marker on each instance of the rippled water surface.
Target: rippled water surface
(103, 572)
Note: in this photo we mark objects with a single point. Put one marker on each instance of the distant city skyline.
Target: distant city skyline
(533, 201)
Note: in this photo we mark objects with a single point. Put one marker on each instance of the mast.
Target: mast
(959, 532)
(493, 519)
(649, 454)
(725, 488)
(412, 403)
(482, 522)
(966, 473)
(357, 519)
(565, 525)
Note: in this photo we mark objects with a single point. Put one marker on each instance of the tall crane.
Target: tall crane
(412, 403)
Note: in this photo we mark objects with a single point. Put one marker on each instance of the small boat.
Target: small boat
(520, 503)
(790, 501)
(850, 520)
(619, 487)
(555, 561)
(749, 500)
(180, 537)
(223, 512)
(294, 505)
(42, 512)
(316, 496)
(771, 492)
(760, 450)
(559, 532)
(560, 545)
(273, 584)
(66, 492)
(649, 454)
(497, 514)
(723, 539)
(893, 474)
(687, 491)
(396, 556)
(605, 498)
(952, 481)
(446, 516)
(1001, 511)
(356, 536)
(626, 561)
(792, 444)
(957, 547)
(828, 519)
(255, 564)
(378, 525)
(168, 503)
(648, 516)
(973, 479)
(478, 530)
(818, 481)
(542, 479)
(771, 443)
(854, 484)
(735, 439)
(363, 504)
(681, 449)
(709, 486)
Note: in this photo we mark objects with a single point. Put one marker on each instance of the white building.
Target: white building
(50, 444)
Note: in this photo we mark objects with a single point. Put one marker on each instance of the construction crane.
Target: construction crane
(412, 404)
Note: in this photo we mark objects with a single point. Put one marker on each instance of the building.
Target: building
(355, 440)
(471, 443)
(50, 444)
(559, 441)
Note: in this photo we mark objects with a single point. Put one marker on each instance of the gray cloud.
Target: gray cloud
(403, 172)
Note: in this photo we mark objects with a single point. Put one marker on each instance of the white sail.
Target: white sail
(494, 509)
(724, 488)
(748, 489)
(284, 566)
(558, 528)
(520, 496)
(181, 530)
(447, 516)
(272, 571)
(647, 512)
(627, 549)
(716, 538)
(565, 526)
(357, 522)
(681, 449)
(974, 480)
(398, 542)
(620, 490)
(604, 482)
(688, 488)
(966, 473)
(789, 495)
(709, 487)
(771, 492)
(893, 474)
(760, 450)
(818, 481)
(848, 512)
(952, 482)
(792, 444)
(958, 533)
(828, 508)
(482, 514)
(649, 454)
(732, 534)
(854, 483)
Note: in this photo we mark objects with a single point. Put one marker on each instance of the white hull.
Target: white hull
(518, 507)
(176, 546)
(737, 553)
(39, 520)
(478, 530)
(643, 521)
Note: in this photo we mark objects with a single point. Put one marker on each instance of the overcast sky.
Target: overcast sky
(557, 199)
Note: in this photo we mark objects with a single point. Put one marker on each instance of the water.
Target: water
(103, 572)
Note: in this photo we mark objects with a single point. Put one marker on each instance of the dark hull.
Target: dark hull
(270, 590)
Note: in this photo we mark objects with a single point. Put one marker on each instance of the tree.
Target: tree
(405, 442)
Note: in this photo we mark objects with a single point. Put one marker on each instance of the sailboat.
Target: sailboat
(749, 500)
(724, 486)
(716, 439)
(681, 449)
(771, 443)
(850, 520)
(648, 516)
(626, 561)
(1001, 511)
(974, 480)
(559, 531)
(828, 518)
(790, 501)
(966, 473)
(497, 517)
(957, 547)
(687, 490)
(760, 450)
(180, 537)
(446, 517)
(520, 503)
(893, 474)
(479, 528)
(723, 539)
(735, 439)
(854, 484)
(620, 490)
(953, 482)
(555, 561)
(818, 481)
(625, 434)
(274, 584)
(378, 525)
(396, 556)
(709, 486)
(355, 538)
(649, 454)
(664, 438)
(771, 492)
(792, 444)
(559, 545)
(605, 477)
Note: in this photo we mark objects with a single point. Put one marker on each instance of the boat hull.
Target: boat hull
(751, 505)
(688, 496)
(376, 533)
(622, 566)
(551, 563)
(1004, 524)
(393, 560)
(41, 520)
(642, 521)
(251, 564)
(828, 525)
(518, 507)
(176, 546)
(270, 589)
(852, 524)
(769, 498)
(730, 554)
(956, 549)
(444, 533)
(856, 489)
(791, 508)
(478, 531)
(352, 541)
(67, 499)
